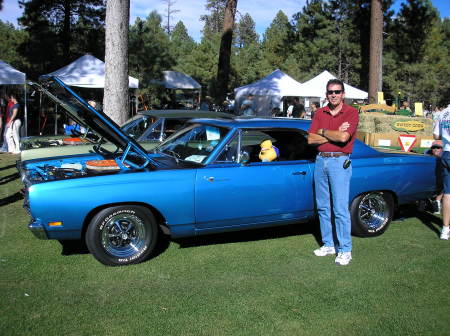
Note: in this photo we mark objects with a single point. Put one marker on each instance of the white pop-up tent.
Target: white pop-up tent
(178, 80)
(11, 76)
(87, 71)
(315, 87)
(268, 92)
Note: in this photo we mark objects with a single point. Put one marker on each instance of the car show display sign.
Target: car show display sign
(408, 126)
(407, 141)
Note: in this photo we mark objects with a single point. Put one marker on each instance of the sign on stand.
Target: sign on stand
(407, 141)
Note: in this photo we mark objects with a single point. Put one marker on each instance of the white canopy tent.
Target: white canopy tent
(178, 80)
(87, 71)
(11, 76)
(268, 92)
(315, 87)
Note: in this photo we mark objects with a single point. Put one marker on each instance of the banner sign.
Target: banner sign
(409, 126)
(407, 141)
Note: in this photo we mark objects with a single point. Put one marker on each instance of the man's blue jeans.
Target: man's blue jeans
(332, 187)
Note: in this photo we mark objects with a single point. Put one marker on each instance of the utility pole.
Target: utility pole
(376, 50)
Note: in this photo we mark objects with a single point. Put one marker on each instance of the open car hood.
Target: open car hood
(84, 114)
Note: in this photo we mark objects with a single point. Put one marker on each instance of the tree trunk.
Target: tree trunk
(66, 33)
(376, 41)
(115, 98)
(223, 71)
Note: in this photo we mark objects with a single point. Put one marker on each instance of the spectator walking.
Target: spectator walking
(441, 131)
(333, 130)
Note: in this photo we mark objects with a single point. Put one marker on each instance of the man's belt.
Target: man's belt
(332, 154)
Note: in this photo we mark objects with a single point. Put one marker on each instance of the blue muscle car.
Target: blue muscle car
(206, 178)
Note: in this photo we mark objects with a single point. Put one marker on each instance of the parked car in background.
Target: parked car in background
(149, 128)
(206, 178)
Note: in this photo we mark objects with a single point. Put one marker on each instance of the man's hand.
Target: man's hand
(345, 125)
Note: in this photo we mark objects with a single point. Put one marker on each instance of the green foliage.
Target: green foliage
(277, 40)
(10, 39)
(149, 53)
(325, 35)
(59, 31)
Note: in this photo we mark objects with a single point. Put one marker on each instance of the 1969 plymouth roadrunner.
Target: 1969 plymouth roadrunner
(206, 178)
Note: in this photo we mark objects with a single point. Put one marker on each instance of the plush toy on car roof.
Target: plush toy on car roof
(268, 151)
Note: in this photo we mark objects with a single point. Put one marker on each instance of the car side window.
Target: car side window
(284, 144)
(155, 132)
(172, 125)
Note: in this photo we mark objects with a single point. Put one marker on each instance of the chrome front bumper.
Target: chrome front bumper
(37, 228)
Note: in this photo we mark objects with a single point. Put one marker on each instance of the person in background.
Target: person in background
(436, 151)
(13, 123)
(247, 108)
(9, 104)
(333, 131)
(441, 131)
(289, 109)
(314, 107)
(299, 110)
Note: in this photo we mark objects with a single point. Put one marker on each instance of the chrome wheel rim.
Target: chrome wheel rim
(123, 236)
(374, 212)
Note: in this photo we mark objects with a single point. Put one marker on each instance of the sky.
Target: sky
(262, 11)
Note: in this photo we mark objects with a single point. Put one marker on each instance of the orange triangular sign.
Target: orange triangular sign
(407, 141)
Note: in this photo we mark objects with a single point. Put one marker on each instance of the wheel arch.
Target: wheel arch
(387, 191)
(160, 219)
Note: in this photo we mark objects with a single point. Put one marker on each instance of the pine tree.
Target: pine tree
(277, 40)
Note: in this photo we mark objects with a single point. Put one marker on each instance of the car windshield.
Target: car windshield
(194, 143)
(137, 126)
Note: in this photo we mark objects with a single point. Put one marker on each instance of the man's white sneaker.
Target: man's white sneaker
(445, 233)
(325, 250)
(343, 258)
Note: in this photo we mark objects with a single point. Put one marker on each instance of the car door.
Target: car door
(230, 192)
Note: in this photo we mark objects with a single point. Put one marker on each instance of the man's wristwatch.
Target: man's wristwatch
(322, 133)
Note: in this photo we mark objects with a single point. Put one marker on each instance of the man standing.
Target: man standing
(442, 131)
(247, 107)
(333, 130)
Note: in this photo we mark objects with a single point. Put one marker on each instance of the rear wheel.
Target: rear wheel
(371, 213)
(122, 235)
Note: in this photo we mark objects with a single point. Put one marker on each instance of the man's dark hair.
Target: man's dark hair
(337, 82)
(316, 104)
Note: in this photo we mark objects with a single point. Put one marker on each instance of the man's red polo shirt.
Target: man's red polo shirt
(324, 119)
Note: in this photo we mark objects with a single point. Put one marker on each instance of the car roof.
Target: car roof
(257, 122)
(188, 114)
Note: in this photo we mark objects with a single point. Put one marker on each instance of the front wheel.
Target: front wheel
(122, 235)
(371, 213)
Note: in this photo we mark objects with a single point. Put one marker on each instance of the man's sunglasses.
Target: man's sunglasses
(334, 91)
(436, 147)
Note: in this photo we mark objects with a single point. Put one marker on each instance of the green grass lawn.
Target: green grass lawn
(262, 282)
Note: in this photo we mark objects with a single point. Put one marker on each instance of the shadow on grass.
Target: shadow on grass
(9, 178)
(11, 199)
(7, 167)
(431, 221)
(253, 235)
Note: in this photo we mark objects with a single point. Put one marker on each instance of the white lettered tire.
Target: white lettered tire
(122, 235)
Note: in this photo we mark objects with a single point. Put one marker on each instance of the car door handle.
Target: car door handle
(302, 172)
(209, 178)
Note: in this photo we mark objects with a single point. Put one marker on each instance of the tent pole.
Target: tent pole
(25, 109)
